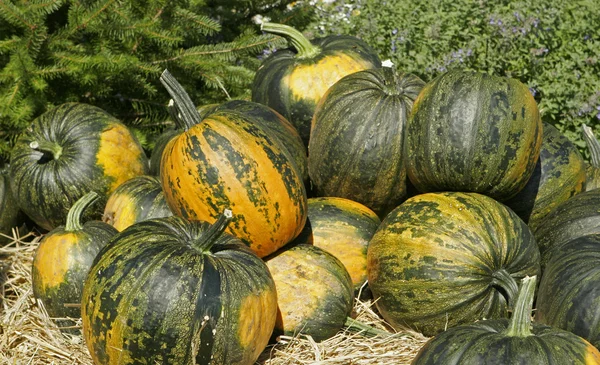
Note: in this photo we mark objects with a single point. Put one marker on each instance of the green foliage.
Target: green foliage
(552, 46)
(110, 53)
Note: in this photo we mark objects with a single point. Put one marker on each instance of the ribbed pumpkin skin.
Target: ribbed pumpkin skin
(558, 176)
(61, 264)
(159, 147)
(343, 228)
(472, 132)
(10, 214)
(98, 153)
(314, 291)
(136, 200)
(151, 297)
(483, 343)
(228, 161)
(357, 138)
(577, 217)
(592, 180)
(442, 259)
(569, 295)
(293, 86)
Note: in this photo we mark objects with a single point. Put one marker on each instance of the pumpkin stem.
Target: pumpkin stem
(303, 47)
(74, 215)
(592, 144)
(51, 148)
(393, 87)
(186, 113)
(364, 329)
(519, 324)
(208, 238)
(507, 283)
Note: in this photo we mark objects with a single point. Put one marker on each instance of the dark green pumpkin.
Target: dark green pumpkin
(171, 291)
(136, 200)
(559, 175)
(65, 153)
(443, 259)
(10, 213)
(569, 295)
(292, 81)
(356, 144)
(314, 291)
(473, 132)
(578, 216)
(593, 168)
(62, 261)
(228, 160)
(343, 228)
(159, 147)
(508, 342)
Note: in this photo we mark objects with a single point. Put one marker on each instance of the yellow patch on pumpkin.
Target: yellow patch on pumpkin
(120, 156)
(311, 81)
(120, 211)
(256, 321)
(54, 259)
(592, 355)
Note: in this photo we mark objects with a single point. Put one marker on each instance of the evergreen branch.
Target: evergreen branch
(84, 23)
(9, 45)
(12, 14)
(47, 7)
(204, 24)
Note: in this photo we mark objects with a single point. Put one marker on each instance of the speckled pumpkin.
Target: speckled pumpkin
(559, 175)
(62, 261)
(65, 153)
(508, 342)
(171, 291)
(10, 213)
(343, 228)
(136, 200)
(292, 81)
(314, 290)
(473, 132)
(443, 259)
(593, 168)
(227, 160)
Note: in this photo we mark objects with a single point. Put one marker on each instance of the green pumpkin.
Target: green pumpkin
(136, 200)
(508, 342)
(593, 168)
(10, 213)
(65, 153)
(314, 291)
(568, 296)
(356, 144)
(62, 261)
(171, 291)
(472, 132)
(159, 147)
(578, 216)
(443, 259)
(292, 81)
(559, 175)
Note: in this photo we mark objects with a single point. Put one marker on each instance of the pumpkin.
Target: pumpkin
(578, 216)
(444, 259)
(508, 341)
(357, 139)
(62, 260)
(568, 296)
(65, 153)
(159, 147)
(559, 175)
(10, 214)
(343, 228)
(293, 80)
(171, 291)
(472, 132)
(227, 160)
(136, 200)
(592, 169)
(314, 291)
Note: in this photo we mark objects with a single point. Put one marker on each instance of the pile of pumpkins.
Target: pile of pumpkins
(265, 217)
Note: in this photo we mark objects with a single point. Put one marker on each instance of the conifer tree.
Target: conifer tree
(110, 53)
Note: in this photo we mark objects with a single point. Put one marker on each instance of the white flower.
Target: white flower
(387, 63)
(259, 19)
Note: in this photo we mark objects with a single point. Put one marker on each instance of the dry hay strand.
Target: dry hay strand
(29, 336)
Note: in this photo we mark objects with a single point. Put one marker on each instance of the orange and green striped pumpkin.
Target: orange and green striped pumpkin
(62, 261)
(343, 228)
(227, 160)
(314, 291)
(293, 80)
(171, 291)
(444, 259)
(65, 153)
(473, 132)
(136, 200)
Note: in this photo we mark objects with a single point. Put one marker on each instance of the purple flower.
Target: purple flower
(517, 15)
(533, 91)
(535, 22)
(586, 37)
(598, 115)
(394, 31)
